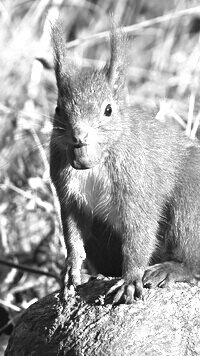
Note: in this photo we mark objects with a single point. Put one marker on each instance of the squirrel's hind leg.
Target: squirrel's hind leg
(166, 274)
(184, 230)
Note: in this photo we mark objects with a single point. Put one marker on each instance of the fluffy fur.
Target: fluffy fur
(144, 185)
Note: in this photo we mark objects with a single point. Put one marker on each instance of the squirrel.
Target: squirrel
(128, 185)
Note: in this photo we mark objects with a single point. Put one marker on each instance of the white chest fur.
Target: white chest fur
(92, 188)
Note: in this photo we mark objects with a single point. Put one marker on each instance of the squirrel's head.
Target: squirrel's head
(87, 115)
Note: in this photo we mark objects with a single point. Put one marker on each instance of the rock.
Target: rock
(166, 322)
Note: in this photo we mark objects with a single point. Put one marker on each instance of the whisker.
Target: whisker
(59, 128)
(35, 114)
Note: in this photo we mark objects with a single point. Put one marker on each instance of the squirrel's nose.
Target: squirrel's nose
(79, 137)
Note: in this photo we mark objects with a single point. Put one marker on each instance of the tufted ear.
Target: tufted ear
(118, 60)
(63, 75)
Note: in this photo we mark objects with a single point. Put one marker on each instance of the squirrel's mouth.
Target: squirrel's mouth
(84, 156)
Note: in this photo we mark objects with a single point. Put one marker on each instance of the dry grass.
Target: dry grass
(163, 75)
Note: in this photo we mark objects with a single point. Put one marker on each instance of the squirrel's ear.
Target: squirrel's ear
(59, 49)
(118, 59)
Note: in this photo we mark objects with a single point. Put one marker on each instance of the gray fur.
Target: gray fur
(136, 182)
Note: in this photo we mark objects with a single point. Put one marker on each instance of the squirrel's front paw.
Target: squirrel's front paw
(126, 291)
(70, 278)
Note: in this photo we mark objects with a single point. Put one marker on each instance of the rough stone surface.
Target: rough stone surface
(166, 322)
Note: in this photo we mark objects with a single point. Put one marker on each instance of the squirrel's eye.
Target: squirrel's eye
(57, 110)
(108, 110)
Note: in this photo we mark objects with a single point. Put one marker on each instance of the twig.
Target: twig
(10, 306)
(129, 29)
(5, 326)
(28, 195)
(166, 110)
(28, 269)
(177, 118)
(195, 127)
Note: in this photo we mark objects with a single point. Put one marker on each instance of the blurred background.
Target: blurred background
(163, 75)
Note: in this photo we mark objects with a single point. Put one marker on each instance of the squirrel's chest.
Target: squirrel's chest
(92, 190)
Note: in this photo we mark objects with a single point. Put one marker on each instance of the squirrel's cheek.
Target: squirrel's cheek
(84, 157)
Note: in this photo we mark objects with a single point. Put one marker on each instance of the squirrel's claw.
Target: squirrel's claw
(126, 292)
